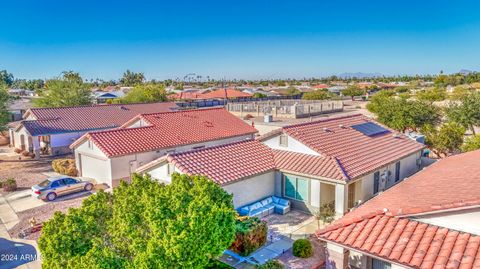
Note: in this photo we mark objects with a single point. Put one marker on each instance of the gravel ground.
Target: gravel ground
(42, 214)
(316, 261)
(26, 171)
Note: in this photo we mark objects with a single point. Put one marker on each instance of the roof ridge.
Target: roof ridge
(210, 148)
(324, 120)
(182, 111)
(340, 167)
(341, 223)
(95, 105)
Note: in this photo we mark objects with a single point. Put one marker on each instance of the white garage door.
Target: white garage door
(96, 169)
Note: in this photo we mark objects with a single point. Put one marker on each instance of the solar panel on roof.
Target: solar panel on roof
(370, 129)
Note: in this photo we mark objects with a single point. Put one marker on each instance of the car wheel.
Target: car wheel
(51, 196)
(88, 187)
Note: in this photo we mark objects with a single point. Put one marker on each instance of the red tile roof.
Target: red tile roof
(226, 163)
(168, 130)
(187, 95)
(431, 189)
(407, 242)
(355, 152)
(225, 93)
(87, 118)
(327, 167)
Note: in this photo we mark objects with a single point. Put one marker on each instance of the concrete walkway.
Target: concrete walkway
(17, 253)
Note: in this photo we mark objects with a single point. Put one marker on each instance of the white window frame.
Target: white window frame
(285, 142)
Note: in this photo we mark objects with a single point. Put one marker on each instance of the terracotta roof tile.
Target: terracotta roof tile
(170, 129)
(308, 164)
(224, 93)
(356, 153)
(430, 190)
(226, 163)
(407, 242)
(87, 118)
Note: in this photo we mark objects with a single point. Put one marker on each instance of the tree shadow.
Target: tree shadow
(14, 254)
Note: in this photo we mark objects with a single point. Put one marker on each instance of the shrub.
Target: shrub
(302, 248)
(9, 185)
(17, 150)
(31, 155)
(25, 153)
(251, 233)
(65, 167)
(216, 264)
(271, 264)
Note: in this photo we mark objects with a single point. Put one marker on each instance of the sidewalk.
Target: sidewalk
(19, 253)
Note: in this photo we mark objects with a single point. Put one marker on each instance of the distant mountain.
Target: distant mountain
(465, 71)
(359, 75)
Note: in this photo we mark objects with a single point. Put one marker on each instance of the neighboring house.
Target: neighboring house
(344, 161)
(225, 94)
(430, 220)
(50, 131)
(102, 97)
(109, 156)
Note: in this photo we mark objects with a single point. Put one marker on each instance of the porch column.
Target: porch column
(340, 199)
(36, 146)
(336, 257)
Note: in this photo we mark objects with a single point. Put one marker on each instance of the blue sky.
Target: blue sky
(248, 39)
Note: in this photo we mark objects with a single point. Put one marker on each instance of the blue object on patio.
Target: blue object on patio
(266, 207)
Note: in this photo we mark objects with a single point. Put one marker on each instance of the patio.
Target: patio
(282, 231)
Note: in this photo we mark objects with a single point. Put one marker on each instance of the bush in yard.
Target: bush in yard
(65, 167)
(302, 248)
(17, 150)
(144, 224)
(25, 153)
(271, 264)
(9, 185)
(251, 233)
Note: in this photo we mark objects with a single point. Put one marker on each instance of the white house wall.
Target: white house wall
(292, 145)
(364, 186)
(464, 220)
(252, 189)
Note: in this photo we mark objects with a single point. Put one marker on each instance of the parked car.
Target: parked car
(54, 187)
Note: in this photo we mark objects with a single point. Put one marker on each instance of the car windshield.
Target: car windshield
(44, 183)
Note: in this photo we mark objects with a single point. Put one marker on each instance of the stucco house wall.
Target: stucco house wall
(292, 145)
(252, 189)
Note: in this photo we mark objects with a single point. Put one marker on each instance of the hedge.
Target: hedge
(271, 264)
(65, 167)
(251, 233)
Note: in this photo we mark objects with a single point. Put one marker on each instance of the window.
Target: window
(376, 181)
(56, 184)
(296, 188)
(397, 171)
(70, 181)
(378, 264)
(351, 195)
(170, 168)
(284, 140)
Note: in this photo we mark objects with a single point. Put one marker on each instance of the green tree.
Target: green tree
(316, 95)
(131, 78)
(432, 95)
(5, 99)
(402, 89)
(444, 140)
(259, 95)
(402, 114)
(471, 143)
(145, 93)
(68, 90)
(6, 78)
(466, 111)
(353, 91)
(291, 91)
(145, 224)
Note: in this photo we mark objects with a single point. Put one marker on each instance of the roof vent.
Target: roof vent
(396, 135)
(341, 126)
(123, 108)
(325, 129)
